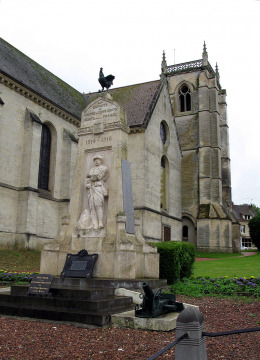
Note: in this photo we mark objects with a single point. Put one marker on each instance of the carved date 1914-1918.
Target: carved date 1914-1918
(101, 139)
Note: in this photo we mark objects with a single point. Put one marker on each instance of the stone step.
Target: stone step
(32, 301)
(83, 317)
(108, 283)
(68, 292)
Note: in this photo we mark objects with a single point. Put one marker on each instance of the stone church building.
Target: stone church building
(177, 144)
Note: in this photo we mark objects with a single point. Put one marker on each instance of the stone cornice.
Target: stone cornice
(41, 193)
(136, 129)
(40, 100)
(161, 213)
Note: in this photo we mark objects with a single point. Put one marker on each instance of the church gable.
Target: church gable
(138, 100)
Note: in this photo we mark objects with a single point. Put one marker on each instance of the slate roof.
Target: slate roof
(16, 65)
(241, 210)
(138, 100)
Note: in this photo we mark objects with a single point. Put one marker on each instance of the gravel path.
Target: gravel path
(26, 339)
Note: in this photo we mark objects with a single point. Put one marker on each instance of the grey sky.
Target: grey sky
(73, 39)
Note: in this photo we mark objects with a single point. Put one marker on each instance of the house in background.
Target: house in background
(243, 214)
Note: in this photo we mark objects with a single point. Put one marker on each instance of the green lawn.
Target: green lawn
(200, 254)
(239, 266)
(20, 260)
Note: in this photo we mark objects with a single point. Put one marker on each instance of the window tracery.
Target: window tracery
(185, 98)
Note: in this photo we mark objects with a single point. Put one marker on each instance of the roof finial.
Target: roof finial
(205, 55)
(216, 70)
(164, 64)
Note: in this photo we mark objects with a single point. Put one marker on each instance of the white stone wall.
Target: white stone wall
(145, 151)
(27, 215)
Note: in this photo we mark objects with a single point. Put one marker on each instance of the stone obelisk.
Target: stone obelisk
(101, 215)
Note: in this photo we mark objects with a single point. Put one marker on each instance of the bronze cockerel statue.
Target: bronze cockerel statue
(105, 81)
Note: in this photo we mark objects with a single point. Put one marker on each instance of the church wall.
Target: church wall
(188, 133)
(203, 135)
(136, 156)
(147, 187)
(22, 202)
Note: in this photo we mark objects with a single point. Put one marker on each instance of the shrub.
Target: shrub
(176, 260)
(254, 226)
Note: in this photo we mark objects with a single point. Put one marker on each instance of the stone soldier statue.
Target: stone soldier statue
(92, 216)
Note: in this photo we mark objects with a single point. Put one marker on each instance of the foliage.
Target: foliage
(9, 278)
(231, 267)
(256, 209)
(254, 228)
(223, 286)
(176, 260)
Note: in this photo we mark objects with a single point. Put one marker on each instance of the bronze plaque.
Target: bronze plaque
(40, 284)
(80, 265)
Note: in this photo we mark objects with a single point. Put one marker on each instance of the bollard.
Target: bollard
(190, 321)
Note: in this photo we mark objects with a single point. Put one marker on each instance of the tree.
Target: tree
(256, 209)
(254, 228)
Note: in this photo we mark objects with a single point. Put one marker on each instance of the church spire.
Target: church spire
(216, 71)
(164, 64)
(204, 55)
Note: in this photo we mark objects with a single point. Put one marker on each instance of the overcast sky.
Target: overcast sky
(73, 39)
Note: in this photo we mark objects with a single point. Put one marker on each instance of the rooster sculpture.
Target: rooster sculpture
(105, 81)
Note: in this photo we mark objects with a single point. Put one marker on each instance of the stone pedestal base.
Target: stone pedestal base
(166, 322)
(127, 259)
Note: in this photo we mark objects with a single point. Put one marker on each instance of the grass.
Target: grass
(227, 276)
(207, 255)
(20, 260)
(232, 267)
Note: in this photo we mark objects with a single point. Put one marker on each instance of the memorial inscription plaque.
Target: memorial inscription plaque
(128, 197)
(79, 265)
(40, 285)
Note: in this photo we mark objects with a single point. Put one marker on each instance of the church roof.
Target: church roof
(138, 100)
(25, 71)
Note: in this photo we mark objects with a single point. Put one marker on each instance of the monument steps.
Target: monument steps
(130, 284)
(83, 317)
(65, 303)
(63, 291)
(93, 306)
(80, 300)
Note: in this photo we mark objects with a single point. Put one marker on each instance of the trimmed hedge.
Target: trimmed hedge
(176, 260)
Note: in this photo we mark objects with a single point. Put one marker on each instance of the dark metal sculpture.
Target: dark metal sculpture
(105, 81)
(156, 303)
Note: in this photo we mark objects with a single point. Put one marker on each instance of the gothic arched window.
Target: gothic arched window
(45, 154)
(185, 232)
(164, 183)
(163, 133)
(185, 98)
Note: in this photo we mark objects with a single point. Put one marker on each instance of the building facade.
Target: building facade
(243, 214)
(177, 146)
